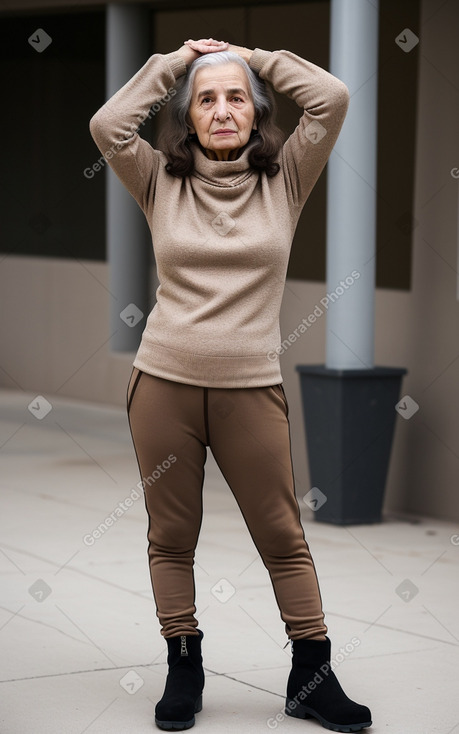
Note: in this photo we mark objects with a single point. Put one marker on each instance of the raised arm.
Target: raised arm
(324, 100)
(114, 126)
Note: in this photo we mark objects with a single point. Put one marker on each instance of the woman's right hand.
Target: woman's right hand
(191, 50)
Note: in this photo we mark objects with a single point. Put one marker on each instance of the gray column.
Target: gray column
(351, 207)
(127, 49)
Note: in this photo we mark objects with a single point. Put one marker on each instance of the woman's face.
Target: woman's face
(221, 111)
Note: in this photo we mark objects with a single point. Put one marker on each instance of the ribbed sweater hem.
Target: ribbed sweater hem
(206, 371)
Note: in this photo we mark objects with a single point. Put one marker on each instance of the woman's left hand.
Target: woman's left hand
(210, 45)
(207, 45)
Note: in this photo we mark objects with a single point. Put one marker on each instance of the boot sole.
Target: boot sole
(298, 711)
(180, 725)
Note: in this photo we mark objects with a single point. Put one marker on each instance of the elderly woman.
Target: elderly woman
(222, 195)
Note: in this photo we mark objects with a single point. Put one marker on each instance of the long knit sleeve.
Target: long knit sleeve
(115, 125)
(324, 100)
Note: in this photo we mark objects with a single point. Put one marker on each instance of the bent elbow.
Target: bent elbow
(342, 95)
(94, 125)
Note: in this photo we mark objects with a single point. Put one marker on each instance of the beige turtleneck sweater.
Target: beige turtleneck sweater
(221, 236)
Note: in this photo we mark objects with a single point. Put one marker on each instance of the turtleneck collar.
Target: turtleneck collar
(222, 173)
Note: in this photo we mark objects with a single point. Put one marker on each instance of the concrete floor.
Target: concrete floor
(79, 640)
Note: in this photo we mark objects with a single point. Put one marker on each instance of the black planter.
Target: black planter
(349, 419)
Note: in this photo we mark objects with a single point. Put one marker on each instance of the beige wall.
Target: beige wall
(54, 330)
(433, 439)
(54, 316)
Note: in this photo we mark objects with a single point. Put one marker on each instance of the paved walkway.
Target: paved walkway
(79, 640)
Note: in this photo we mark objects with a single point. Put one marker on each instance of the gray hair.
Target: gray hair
(258, 93)
(174, 137)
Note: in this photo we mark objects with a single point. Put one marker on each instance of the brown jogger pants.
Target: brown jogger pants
(247, 431)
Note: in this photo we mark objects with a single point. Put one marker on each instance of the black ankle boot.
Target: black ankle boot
(182, 697)
(313, 690)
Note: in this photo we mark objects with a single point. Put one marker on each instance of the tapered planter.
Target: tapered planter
(349, 419)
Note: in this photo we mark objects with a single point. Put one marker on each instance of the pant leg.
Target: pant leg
(168, 431)
(250, 440)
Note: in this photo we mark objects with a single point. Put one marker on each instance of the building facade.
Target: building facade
(61, 330)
